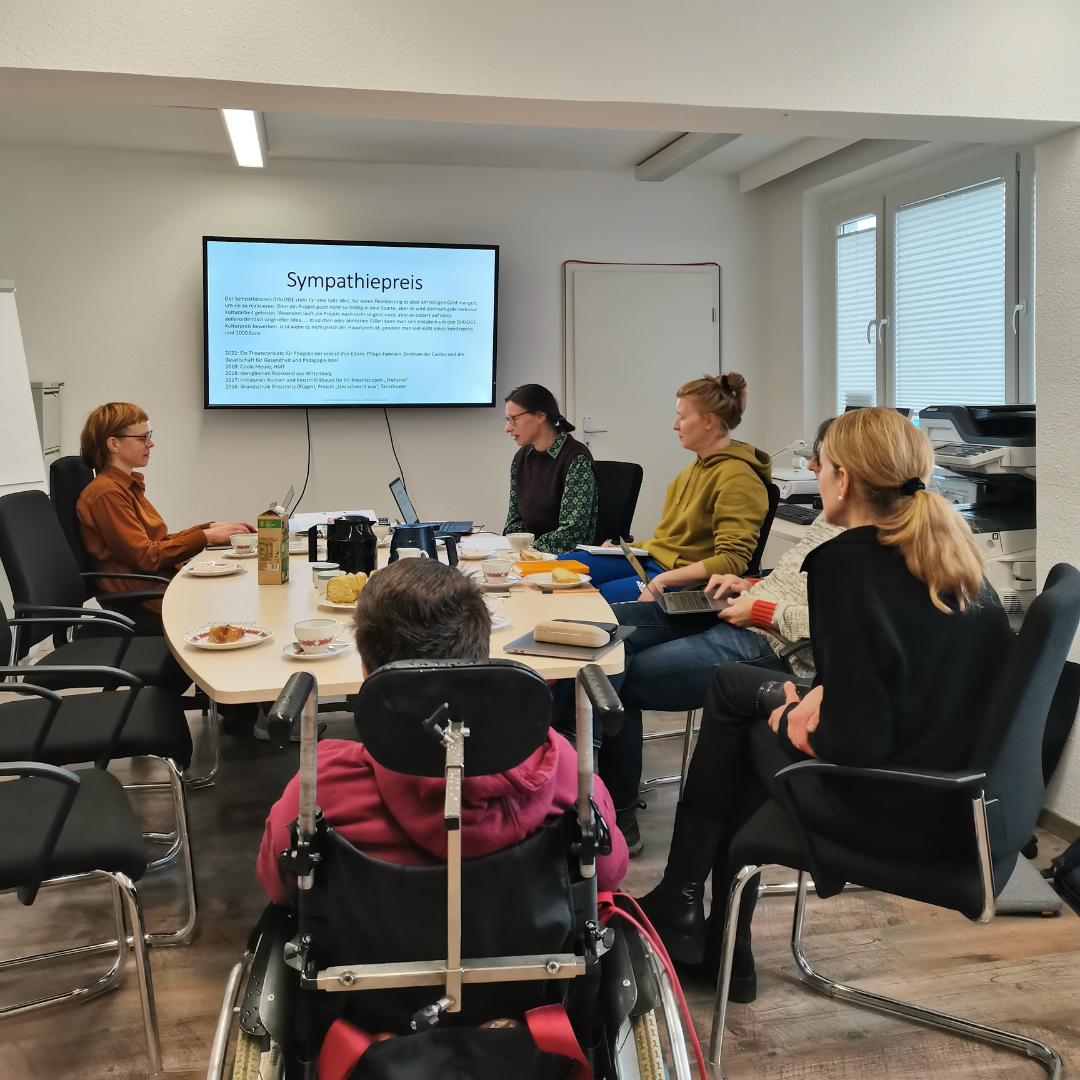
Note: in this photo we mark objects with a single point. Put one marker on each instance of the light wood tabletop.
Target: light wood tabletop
(259, 672)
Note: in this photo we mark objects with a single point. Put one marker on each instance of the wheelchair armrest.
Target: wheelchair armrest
(931, 778)
(126, 577)
(607, 708)
(28, 890)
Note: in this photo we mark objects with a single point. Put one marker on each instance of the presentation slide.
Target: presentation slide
(308, 324)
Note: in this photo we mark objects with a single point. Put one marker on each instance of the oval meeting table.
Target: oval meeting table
(258, 673)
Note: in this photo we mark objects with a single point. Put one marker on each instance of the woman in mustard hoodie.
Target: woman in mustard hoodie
(713, 513)
(714, 508)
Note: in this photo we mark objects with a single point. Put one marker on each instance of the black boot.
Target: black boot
(675, 906)
(743, 988)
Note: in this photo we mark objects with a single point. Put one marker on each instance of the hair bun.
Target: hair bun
(732, 382)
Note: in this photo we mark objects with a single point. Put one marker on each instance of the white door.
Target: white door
(634, 335)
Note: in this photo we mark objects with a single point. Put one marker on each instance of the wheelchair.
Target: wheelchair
(503, 965)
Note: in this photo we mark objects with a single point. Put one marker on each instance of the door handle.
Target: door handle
(587, 430)
(1020, 309)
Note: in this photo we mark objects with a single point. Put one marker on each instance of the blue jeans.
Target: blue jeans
(613, 575)
(670, 660)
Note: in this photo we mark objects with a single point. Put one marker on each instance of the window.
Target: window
(856, 309)
(930, 279)
(949, 299)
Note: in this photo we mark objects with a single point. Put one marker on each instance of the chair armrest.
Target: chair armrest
(794, 647)
(114, 674)
(29, 889)
(124, 628)
(53, 698)
(126, 577)
(931, 778)
(82, 612)
(606, 706)
(129, 596)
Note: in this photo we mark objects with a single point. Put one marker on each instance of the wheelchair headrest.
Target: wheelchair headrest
(505, 705)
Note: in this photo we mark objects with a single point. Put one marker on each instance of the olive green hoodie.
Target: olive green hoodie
(713, 511)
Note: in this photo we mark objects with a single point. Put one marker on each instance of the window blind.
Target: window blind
(949, 303)
(856, 307)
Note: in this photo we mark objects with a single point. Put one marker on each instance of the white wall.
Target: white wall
(105, 249)
(1057, 366)
(906, 69)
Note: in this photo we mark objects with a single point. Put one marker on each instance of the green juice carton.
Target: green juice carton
(273, 547)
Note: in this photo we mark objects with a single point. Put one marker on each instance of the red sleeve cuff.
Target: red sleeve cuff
(761, 614)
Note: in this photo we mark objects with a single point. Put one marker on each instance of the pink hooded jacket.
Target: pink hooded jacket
(399, 818)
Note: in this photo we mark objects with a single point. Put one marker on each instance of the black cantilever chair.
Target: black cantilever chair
(618, 484)
(45, 580)
(983, 816)
(67, 478)
(100, 727)
(59, 826)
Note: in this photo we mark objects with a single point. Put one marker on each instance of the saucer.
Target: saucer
(474, 558)
(292, 651)
(333, 605)
(232, 553)
(498, 622)
(210, 568)
(545, 581)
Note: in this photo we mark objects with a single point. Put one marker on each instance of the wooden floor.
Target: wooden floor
(1018, 973)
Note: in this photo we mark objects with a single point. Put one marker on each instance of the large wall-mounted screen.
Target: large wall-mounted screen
(333, 324)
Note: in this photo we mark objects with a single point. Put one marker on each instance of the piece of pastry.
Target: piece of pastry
(564, 577)
(339, 590)
(224, 634)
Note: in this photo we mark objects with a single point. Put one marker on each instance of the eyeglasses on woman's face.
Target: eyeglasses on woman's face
(145, 438)
(512, 420)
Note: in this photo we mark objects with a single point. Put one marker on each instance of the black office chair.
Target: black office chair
(618, 484)
(983, 816)
(754, 568)
(45, 580)
(57, 826)
(101, 727)
(67, 478)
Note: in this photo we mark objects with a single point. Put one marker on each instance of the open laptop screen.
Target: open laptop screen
(405, 506)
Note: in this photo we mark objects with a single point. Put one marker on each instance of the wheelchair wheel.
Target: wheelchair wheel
(251, 1062)
(650, 1054)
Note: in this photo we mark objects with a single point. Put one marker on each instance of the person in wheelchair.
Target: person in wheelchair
(418, 609)
(906, 634)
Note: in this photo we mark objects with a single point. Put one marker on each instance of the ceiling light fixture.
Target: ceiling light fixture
(247, 135)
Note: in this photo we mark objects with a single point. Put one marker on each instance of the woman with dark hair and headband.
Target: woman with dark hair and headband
(552, 486)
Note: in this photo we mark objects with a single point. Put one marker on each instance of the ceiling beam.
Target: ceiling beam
(788, 160)
(687, 149)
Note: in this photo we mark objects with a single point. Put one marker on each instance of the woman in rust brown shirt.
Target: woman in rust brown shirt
(120, 527)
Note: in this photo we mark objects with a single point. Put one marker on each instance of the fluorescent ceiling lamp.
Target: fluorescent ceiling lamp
(247, 136)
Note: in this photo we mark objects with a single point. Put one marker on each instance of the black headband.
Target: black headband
(909, 487)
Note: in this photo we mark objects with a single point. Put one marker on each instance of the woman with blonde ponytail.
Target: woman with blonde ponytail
(907, 636)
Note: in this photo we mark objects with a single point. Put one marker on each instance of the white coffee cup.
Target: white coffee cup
(411, 553)
(381, 531)
(245, 543)
(315, 635)
(518, 541)
(319, 567)
(496, 571)
(322, 580)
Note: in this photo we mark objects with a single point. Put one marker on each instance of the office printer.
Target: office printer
(985, 464)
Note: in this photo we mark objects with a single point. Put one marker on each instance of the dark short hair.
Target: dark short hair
(819, 438)
(421, 609)
(534, 398)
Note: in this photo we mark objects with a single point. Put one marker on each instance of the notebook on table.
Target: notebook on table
(687, 602)
(409, 516)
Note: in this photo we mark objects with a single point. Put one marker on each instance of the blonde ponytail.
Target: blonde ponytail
(889, 461)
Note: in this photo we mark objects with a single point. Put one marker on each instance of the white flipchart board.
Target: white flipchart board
(21, 463)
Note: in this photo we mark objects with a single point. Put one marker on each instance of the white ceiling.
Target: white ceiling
(362, 139)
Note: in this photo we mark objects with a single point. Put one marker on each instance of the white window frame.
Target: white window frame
(884, 198)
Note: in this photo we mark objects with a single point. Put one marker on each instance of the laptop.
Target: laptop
(408, 514)
(688, 602)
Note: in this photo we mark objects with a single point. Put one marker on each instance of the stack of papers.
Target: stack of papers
(595, 549)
